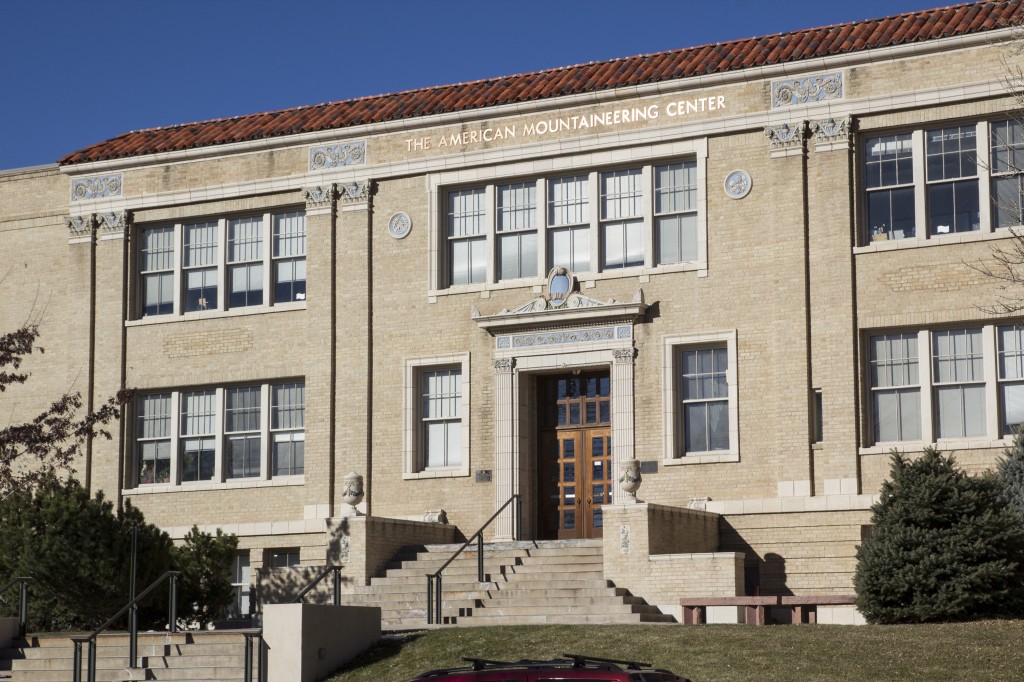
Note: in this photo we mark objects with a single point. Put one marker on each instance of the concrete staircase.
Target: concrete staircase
(163, 656)
(525, 582)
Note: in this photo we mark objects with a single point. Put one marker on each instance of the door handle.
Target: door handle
(579, 501)
(590, 500)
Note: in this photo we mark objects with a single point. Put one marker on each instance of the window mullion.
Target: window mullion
(594, 199)
(222, 269)
(984, 177)
(490, 227)
(541, 206)
(220, 451)
(264, 432)
(179, 256)
(990, 368)
(175, 433)
(647, 207)
(267, 244)
(920, 185)
(924, 369)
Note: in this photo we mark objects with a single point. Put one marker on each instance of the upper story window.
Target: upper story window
(646, 216)
(217, 265)
(220, 434)
(954, 179)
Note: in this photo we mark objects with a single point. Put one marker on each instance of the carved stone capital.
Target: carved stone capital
(624, 356)
(337, 155)
(80, 227)
(785, 137)
(831, 131)
(113, 222)
(356, 192)
(320, 196)
(504, 365)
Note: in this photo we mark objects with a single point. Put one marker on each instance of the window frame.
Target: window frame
(223, 266)
(543, 172)
(674, 345)
(177, 440)
(414, 451)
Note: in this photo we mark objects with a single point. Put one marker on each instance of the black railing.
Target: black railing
(22, 601)
(336, 570)
(132, 608)
(253, 644)
(434, 579)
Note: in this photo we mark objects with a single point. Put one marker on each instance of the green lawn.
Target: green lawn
(990, 650)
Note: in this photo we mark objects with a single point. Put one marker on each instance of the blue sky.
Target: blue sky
(81, 71)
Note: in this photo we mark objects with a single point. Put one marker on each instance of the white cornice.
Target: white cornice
(874, 55)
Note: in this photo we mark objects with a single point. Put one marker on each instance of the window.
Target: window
(222, 264)
(287, 420)
(1007, 167)
(222, 434)
(282, 558)
(154, 438)
(437, 416)
(701, 418)
(646, 216)
(940, 181)
(895, 388)
(948, 384)
(705, 406)
(240, 578)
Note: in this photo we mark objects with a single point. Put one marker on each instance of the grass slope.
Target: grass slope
(990, 650)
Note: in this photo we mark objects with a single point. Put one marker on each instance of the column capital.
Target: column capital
(357, 191)
(320, 197)
(624, 356)
(786, 139)
(112, 224)
(504, 365)
(831, 133)
(80, 227)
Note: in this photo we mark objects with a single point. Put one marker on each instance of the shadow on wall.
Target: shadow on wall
(762, 575)
(282, 585)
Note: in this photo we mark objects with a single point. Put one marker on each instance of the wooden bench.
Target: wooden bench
(757, 610)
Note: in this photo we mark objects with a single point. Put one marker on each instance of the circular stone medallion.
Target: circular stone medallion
(737, 184)
(400, 225)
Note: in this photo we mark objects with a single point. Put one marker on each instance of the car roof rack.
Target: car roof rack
(580, 661)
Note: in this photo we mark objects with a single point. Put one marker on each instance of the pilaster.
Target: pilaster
(506, 474)
(624, 437)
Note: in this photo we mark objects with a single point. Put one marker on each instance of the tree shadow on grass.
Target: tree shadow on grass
(389, 646)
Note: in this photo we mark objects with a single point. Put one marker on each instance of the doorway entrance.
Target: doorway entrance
(574, 453)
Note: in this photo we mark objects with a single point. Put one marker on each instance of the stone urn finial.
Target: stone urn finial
(352, 492)
(630, 478)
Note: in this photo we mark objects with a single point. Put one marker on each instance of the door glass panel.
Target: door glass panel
(574, 413)
(569, 494)
(598, 492)
(568, 449)
(570, 519)
(598, 518)
(591, 413)
(569, 472)
(598, 468)
(561, 415)
(606, 415)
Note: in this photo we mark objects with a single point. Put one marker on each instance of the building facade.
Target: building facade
(746, 266)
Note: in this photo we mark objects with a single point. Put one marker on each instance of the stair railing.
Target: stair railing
(132, 608)
(336, 570)
(434, 579)
(22, 601)
(253, 644)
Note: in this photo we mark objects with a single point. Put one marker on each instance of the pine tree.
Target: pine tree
(1010, 470)
(943, 547)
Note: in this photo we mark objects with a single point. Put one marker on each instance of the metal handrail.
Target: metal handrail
(316, 581)
(250, 635)
(434, 609)
(133, 628)
(22, 601)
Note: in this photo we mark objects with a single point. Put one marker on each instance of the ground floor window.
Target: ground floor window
(282, 558)
(437, 415)
(240, 586)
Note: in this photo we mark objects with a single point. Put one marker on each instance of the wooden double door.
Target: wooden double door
(575, 454)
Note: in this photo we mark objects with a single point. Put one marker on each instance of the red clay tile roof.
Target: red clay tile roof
(901, 29)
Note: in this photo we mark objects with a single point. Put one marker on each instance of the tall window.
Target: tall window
(959, 379)
(895, 388)
(156, 266)
(517, 230)
(200, 265)
(287, 423)
(441, 417)
(154, 438)
(675, 210)
(242, 430)
(245, 261)
(240, 579)
(290, 256)
(198, 435)
(889, 176)
(1007, 168)
(1011, 377)
(705, 404)
(569, 223)
(952, 171)
(467, 240)
(622, 225)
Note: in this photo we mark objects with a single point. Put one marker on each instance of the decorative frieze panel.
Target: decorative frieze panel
(563, 337)
(816, 88)
(786, 139)
(337, 155)
(97, 187)
(831, 133)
